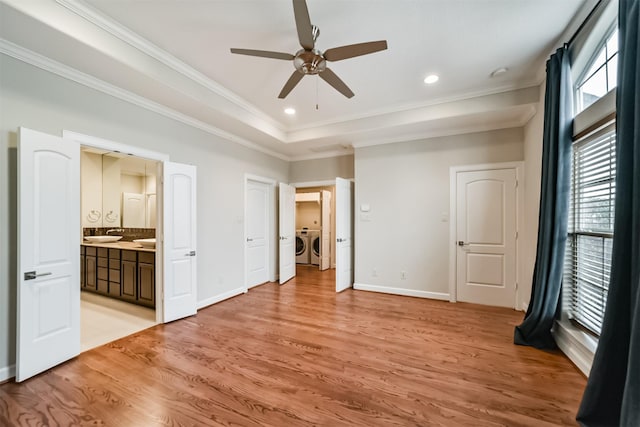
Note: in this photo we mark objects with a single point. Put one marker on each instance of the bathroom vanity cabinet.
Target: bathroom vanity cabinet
(120, 271)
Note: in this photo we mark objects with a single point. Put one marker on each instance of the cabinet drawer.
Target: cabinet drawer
(114, 275)
(103, 252)
(90, 250)
(148, 257)
(114, 263)
(114, 253)
(103, 273)
(103, 262)
(129, 255)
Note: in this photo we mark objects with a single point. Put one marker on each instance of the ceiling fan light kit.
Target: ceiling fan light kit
(311, 61)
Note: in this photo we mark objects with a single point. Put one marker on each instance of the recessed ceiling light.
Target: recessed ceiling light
(431, 79)
(290, 111)
(499, 71)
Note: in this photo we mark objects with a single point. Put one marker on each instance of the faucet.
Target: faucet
(115, 230)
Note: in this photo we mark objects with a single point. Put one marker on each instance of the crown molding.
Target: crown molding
(145, 46)
(37, 60)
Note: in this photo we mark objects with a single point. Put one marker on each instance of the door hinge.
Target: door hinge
(516, 183)
(516, 235)
(516, 285)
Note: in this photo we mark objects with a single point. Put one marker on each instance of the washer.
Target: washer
(302, 247)
(315, 239)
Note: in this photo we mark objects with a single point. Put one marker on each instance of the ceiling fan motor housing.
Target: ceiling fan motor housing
(309, 61)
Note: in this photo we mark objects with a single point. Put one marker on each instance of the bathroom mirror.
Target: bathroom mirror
(111, 217)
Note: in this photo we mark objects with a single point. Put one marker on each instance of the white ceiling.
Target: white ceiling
(176, 54)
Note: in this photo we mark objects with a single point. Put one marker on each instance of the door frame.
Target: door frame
(105, 144)
(271, 226)
(518, 166)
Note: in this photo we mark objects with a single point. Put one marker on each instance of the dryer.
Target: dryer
(302, 247)
(315, 241)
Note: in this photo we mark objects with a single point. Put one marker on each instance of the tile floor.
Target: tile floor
(106, 319)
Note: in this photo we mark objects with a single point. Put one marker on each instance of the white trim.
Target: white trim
(221, 297)
(271, 221)
(7, 373)
(579, 346)
(105, 144)
(308, 184)
(401, 291)
(518, 166)
(135, 40)
(32, 58)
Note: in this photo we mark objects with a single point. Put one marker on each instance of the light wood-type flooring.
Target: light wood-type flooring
(299, 354)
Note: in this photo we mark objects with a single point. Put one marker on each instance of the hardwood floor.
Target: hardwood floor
(299, 354)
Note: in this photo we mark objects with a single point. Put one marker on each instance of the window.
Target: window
(588, 252)
(601, 76)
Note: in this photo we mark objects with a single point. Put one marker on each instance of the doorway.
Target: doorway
(49, 233)
(315, 226)
(485, 208)
(117, 279)
(260, 230)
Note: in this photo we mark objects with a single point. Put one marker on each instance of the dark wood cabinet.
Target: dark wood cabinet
(90, 269)
(119, 273)
(146, 279)
(129, 275)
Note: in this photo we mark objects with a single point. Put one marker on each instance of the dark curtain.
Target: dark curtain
(612, 396)
(535, 329)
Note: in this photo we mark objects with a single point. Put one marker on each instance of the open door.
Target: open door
(287, 232)
(48, 324)
(179, 242)
(325, 232)
(344, 237)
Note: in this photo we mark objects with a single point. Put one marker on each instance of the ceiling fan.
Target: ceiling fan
(310, 60)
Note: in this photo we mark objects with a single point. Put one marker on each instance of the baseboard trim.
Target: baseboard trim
(7, 373)
(576, 344)
(215, 299)
(401, 291)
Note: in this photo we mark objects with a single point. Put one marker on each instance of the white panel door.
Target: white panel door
(486, 237)
(287, 232)
(344, 236)
(179, 245)
(48, 330)
(325, 233)
(257, 229)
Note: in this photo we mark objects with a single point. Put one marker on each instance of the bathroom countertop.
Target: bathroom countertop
(132, 246)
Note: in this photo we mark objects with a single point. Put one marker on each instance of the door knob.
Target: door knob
(249, 240)
(192, 253)
(462, 243)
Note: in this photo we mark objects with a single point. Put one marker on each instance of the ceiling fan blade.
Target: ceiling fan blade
(263, 53)
(303, 24)
(290, 84)
(330, 77)
(353, 50)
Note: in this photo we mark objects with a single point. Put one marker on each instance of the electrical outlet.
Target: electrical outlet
(403, 275)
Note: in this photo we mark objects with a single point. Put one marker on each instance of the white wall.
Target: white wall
(42, 101)
(308, 215)
(533, 132)
(406, 186)
(321, 169)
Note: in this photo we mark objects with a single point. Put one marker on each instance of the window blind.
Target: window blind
(590, 238)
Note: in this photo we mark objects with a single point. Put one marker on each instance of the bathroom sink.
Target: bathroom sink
(102, 239)
(146, 243)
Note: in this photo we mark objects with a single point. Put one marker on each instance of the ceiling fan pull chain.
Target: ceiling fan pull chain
(317, 78)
